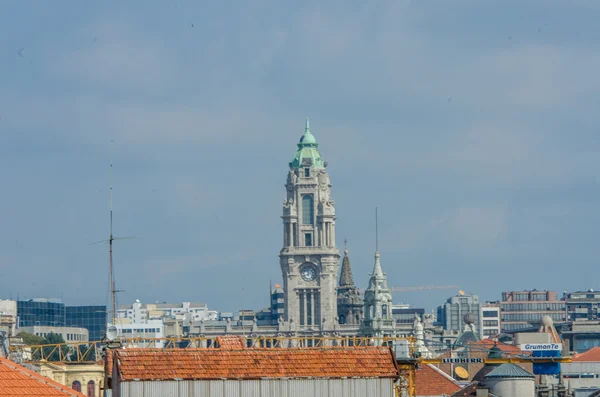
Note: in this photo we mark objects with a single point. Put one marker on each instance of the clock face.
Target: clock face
(308, 273)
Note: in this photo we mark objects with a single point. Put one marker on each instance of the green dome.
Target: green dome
(307, 154)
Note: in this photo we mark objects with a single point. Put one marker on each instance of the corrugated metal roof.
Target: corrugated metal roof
(16, 381)
(164, 364)
(509, 370)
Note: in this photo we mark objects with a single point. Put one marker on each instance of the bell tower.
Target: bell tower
(309, 258)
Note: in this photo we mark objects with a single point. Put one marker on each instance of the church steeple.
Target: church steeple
(346, 279)
(378, 303)
(349, 301)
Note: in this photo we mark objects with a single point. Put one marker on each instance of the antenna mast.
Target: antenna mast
(110, 244)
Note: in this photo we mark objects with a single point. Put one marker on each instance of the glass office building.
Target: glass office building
(93, 318)
(43, 312)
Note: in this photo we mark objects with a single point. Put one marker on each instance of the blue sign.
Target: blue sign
(546, 368)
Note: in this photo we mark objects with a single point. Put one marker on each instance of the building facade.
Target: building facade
(583, 305)
(309, 258)
(92, 318)
(69, 334)
(451, 315)
(491, 323)
(41, 312)
(145, 332)
(525, 309)
(404, 314)
(140, 312)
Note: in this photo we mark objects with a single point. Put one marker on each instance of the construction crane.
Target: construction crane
(423, 288)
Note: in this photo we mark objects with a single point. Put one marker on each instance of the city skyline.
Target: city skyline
(456, 121)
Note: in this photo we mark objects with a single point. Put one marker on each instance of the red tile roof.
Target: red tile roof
(592, 355)
(431, 381)
(16, 381)
(147, 364)
(231, 342)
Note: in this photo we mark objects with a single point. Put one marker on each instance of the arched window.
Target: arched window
(76, 386)
(307, 209)
(384, 311)
(91, 389)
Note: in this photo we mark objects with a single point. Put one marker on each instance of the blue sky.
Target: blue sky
(473, 126)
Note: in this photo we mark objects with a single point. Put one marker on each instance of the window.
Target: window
(307, 209)
(76, 386)
(307, 172)
(91, 389)
(308, 239)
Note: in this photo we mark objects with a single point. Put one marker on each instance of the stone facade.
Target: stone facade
(88, 377)
(309, 258)
(350, 303)
(378, 319)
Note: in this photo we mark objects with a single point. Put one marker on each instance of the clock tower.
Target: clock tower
(309, 258)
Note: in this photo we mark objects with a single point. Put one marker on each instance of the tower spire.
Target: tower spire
(376, 232)
(307, 126)
(346, 279)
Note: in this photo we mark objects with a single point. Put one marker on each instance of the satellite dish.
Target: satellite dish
(111, 333)
(461, 373)
(461, 292)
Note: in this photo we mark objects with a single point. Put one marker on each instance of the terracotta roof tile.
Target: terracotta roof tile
(592, 355)
(231, 342)
(146, 364)
(16, 381)
(431, 381)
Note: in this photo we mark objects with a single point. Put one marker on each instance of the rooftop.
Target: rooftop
(509, 370)
(592, 355)
(165, 364)
(431, 381)
(16, 381)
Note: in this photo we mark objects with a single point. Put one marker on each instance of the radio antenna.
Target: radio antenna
(110, 243)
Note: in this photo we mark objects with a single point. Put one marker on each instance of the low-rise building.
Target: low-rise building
(140, 312)
(145, 332)
(236, 372)
(69, 334)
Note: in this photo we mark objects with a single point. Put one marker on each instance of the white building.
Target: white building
(69, 334)
(145, 332)
(490, 314)
(142, 312)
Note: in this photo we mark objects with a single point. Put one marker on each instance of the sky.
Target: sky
(472, 126)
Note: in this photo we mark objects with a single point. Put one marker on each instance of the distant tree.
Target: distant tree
(52, 353)
(31, 339)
